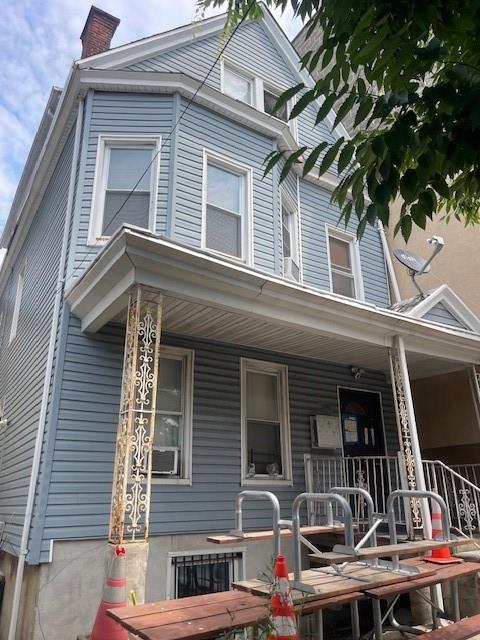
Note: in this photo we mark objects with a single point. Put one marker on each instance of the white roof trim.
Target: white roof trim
(133, 255)
(452, 302)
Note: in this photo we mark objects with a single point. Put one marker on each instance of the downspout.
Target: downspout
(394, 290)
(46, 386)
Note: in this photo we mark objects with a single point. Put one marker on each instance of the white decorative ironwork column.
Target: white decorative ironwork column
(130, 507)
(407, 427)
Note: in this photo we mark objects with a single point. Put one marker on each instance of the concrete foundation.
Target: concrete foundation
(69, 589)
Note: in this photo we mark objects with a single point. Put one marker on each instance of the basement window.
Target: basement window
(202, 573)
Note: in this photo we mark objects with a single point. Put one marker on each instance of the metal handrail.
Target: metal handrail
(452, 472)
(258, 495)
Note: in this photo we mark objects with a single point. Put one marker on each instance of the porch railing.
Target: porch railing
(380, 475)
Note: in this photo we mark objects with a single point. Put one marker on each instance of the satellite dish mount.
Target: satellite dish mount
(416, 265)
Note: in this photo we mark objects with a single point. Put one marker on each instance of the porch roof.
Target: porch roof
(207, 296)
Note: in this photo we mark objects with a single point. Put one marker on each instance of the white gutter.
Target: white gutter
(390, 268)
(46, 385)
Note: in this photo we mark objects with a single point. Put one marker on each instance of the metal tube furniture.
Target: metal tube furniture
(276, 521)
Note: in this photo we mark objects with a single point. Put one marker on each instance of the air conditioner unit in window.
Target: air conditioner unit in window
(165, 461)
(292, 272)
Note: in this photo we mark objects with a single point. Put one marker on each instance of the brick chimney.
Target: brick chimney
(98, 32)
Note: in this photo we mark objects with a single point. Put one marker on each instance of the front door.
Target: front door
(362, 423)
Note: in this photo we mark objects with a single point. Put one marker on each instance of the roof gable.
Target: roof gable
(441, 305)
(263, 39)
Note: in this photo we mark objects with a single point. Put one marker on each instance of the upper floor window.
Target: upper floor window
(172, 443)
(344, 261)
(125, 187)
(291, 258)
(269, 101)
(226, 223)
(237, 85)
(16, 305)
(266, 455)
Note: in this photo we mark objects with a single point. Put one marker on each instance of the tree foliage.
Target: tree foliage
(410, 70)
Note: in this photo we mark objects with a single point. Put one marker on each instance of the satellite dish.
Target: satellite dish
(416, 265)
(411, 261)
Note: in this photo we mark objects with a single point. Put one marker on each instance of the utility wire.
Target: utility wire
(172, 131)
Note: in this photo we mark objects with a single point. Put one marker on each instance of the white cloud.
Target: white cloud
(38, 41)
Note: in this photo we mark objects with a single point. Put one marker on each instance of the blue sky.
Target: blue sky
(38, 41)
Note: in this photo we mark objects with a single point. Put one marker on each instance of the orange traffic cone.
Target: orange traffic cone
(440, 555)
(114, 596)
(284, 619)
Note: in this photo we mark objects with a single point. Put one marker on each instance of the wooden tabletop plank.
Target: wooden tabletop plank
(387, 550)
(227, 597)
(462, 630)
(206, 628)
(442, 574)
(255, 536)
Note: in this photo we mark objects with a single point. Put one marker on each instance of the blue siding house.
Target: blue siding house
(143, 214)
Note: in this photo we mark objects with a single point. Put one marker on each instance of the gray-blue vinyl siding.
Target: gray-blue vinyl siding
(23, 361)
(440, 313)
(78, 498)
(120, 114)
(316, 211)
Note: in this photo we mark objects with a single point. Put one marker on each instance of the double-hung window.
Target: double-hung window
(266, 454)
(344, 260)
(238, 86)
(291, 258)
(172, 443)
(269, 101)
(125, 185)
(226, 208)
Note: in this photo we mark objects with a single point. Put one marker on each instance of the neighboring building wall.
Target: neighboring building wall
(78, 500)
(23, 361)
(448, 419)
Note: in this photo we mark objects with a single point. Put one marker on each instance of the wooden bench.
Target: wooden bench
(415, 547)
(462, 630)
(256, 536)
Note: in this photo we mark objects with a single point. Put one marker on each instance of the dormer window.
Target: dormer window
(125, 188)
(344, 264)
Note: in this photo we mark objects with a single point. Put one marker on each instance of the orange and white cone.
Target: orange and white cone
(440, 555)
(114, 596)
(284, 618)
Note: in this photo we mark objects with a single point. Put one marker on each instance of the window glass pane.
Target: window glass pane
(223, 232)
(269, 100)
(224, 188)
(343, 284)
(340, 253)
(264, 447)
(126, 166)
(202, 578)
(167, 431)
(261, 396)
(136, 211)
(237, 86)
(170, 383)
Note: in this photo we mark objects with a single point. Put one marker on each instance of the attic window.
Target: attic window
(237, 85)
(269, 101)
(125, 186)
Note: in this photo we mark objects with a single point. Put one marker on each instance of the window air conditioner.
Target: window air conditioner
(165, 461)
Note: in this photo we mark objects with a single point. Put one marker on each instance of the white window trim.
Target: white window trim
(334, 232)
(258, 86)
(170, 574)
(262, 366)
(105, 142)
(247, 224)
(287, 202)
(186, 449)
(17, 305)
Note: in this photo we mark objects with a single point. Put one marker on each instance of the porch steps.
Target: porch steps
(415, 547)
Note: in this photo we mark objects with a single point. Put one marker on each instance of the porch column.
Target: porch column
(130, 506)
(414, 477)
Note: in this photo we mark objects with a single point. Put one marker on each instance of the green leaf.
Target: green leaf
(408, 185)
(311, 161)
(363, 110)
(345, 156)
(271, 160)
(361, 227)
(330, 156)
(325, 108)
(406, 227)
(292, 158)
(299, 106)
(345, 108)
(288, 95)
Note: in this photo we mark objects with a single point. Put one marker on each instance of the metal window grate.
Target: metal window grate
(207, 573)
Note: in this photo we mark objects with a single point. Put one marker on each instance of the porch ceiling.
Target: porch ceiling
(211, 298)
